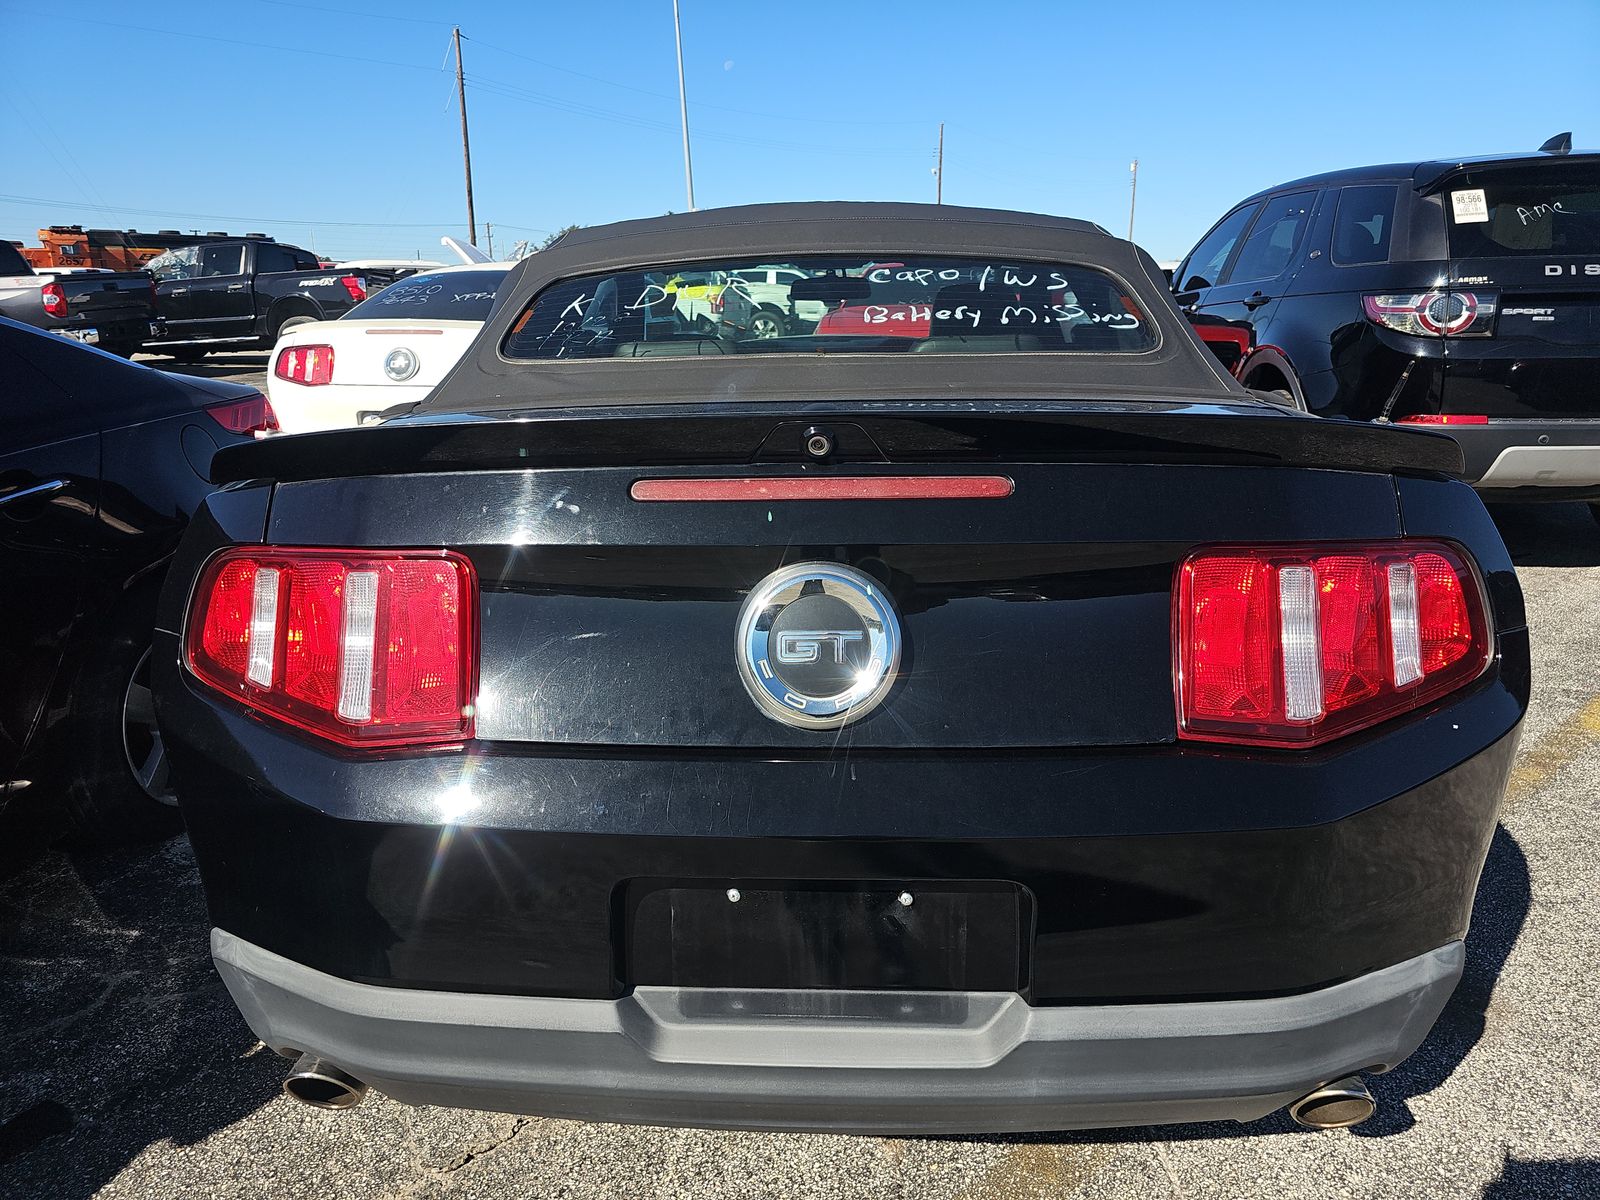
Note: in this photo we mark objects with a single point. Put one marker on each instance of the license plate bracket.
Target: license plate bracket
(952, 936)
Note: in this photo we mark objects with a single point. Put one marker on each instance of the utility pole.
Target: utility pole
(488, 228)
(938, 171)
(683, 108)
(466, 146)
(1133, 194)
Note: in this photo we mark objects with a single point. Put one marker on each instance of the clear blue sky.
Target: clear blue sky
(334, 124)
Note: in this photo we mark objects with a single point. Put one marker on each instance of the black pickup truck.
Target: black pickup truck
(241, 294)
(110, 309)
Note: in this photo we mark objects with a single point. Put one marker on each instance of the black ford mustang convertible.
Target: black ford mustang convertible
(961, 708)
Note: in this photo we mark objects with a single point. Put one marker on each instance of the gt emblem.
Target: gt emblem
(805, 645)
(818, 645)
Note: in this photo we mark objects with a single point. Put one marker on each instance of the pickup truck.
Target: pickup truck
(241, 294)
(109, 309)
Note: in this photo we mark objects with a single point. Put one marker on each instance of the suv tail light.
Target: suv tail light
(54, 300)
(310, 365)
(1294, 645)
(362, 647)
(1443, 419)
(1434, 314)
(253, 414)
(356, 286)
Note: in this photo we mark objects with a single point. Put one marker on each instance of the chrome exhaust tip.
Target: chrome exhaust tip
(319, 1083)
(1337, 1105)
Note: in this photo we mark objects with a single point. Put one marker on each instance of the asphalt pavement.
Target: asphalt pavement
(127, 1072)
(238, 366)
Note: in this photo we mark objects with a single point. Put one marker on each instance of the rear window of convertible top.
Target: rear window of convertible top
(815, 304)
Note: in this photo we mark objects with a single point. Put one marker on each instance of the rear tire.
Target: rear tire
(117, 787)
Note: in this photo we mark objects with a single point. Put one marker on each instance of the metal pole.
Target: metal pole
(938, 174)
(466, 146)
(1133, 194)
(683, 108)
(488, 229)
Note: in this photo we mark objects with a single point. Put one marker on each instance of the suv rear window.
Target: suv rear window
(458, 296)
(1547, 208)
(834, 305)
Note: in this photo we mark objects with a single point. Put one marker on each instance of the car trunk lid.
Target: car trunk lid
(1033, 616)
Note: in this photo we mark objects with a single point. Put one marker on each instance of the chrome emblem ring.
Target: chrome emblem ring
(818, 645)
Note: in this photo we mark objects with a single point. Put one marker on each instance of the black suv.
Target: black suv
(1463, 294)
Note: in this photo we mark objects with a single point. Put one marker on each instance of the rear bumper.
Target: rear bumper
(929, 1062)
(1537, 460)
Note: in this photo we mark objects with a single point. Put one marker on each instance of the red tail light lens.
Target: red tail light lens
(1434, 314)
(1443, 419)
(1294, 645)
(356, 286)
(253, 414)
(54, 299)
(310, 365)
(364, 648)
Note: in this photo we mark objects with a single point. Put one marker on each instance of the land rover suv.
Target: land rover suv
(1461, 294)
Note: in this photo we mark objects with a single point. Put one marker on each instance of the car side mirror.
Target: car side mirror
(1185, 299)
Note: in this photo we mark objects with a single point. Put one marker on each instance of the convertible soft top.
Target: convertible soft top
(1177, 368)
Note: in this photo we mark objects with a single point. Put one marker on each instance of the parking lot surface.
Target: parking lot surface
(241, 366)
(127, 1071)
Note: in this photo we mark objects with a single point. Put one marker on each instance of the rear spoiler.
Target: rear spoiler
(899, 432)
(1430, 175)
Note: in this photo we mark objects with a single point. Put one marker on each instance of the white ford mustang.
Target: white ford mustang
(392, 347)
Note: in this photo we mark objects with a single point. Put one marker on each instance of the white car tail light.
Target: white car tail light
(310, 365)
(1294, 645)
(364, 648)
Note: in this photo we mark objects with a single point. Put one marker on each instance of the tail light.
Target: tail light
(1443, 419)
(1434, 314)
(356, 286)
(716, 303)
(363, 648)
(310, 365)
(253, 414)
(55, 300)
(1294, 645)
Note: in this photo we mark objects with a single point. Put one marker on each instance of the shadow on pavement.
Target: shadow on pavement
(115, 1032)
(1549, 535)
(1569, 1177)
(1504, 896)
(212, 366)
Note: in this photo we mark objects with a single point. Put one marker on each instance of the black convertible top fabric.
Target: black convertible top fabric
(1180, 368)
